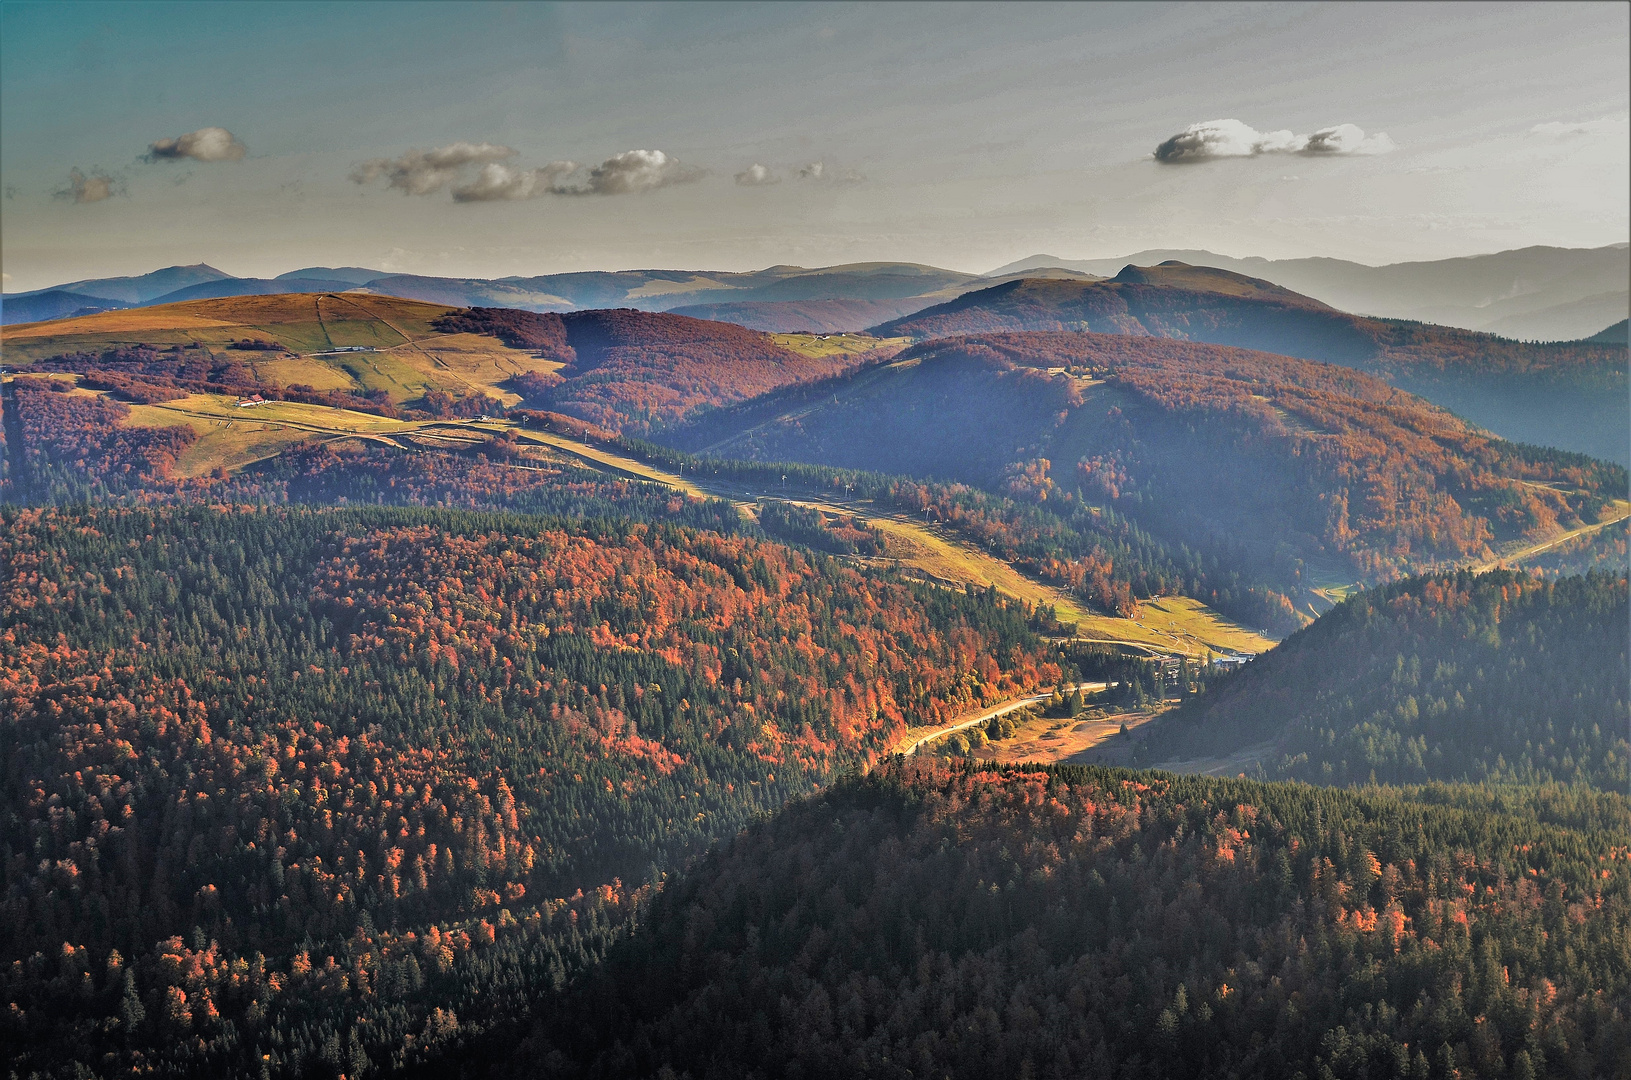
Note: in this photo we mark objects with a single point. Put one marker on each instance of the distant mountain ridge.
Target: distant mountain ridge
(56, 304)
(1571, 395)
(229, 287)
(825, 294)
(138, 290)
(1535, 293)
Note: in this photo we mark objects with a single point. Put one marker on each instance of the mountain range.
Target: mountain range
(357, 725)
(1534, 293)
(1571, 395)
(1539, 293)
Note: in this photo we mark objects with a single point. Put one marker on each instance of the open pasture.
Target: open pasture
(817, 345)
(302, 322)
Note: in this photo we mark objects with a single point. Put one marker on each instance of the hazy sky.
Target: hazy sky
(493, 139)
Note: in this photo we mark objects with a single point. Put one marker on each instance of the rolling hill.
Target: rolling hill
(1303, 470)
(633, 371)
(1536, 293)
(1500, 677)
(1571, 395)
(620, 369)
(1617, 334)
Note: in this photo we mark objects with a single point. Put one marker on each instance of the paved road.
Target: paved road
(1542, 548)
(986, 716)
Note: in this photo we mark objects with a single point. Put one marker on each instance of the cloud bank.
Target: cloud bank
(205, 144)
(1213, 139)
(86, 189)
(757, 175)
(423, 172)
(630, 172)
(496, 182)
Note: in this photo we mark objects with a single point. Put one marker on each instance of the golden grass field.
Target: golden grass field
(231, 438)
(819, 345)
(305, 322)
(1049, 741)
(411, 356)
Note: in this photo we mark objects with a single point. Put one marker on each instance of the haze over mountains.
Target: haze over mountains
(1546, 294)
(1536, 293)
(1569, 394)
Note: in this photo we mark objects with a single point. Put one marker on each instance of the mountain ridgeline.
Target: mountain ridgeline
(630, 370)
(1056, 923)
(1498, 677)
(1535, 293)
(1569, 394)
(1288, 465)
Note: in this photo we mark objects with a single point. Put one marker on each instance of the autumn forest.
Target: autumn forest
(614, 693)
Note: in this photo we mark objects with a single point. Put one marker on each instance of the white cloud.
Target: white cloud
(757, 175)
(205, 144)
(87, 189)
(813, 171)
(629, 172)
(496, 182)
(1214, 139)
(422, 172)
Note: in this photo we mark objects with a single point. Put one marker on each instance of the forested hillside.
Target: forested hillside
(288, 782)
(1495, 677)
(1279, 462)
(1199, 303)
(1566, 394)
(624, 369)
(972, 923)
(357, 757)
(631, 371)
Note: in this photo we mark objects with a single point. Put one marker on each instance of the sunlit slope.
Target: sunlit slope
(305, 323)
(404, 354)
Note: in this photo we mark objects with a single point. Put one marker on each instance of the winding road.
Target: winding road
(986, 716)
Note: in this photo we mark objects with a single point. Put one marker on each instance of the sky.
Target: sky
(492, 139)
